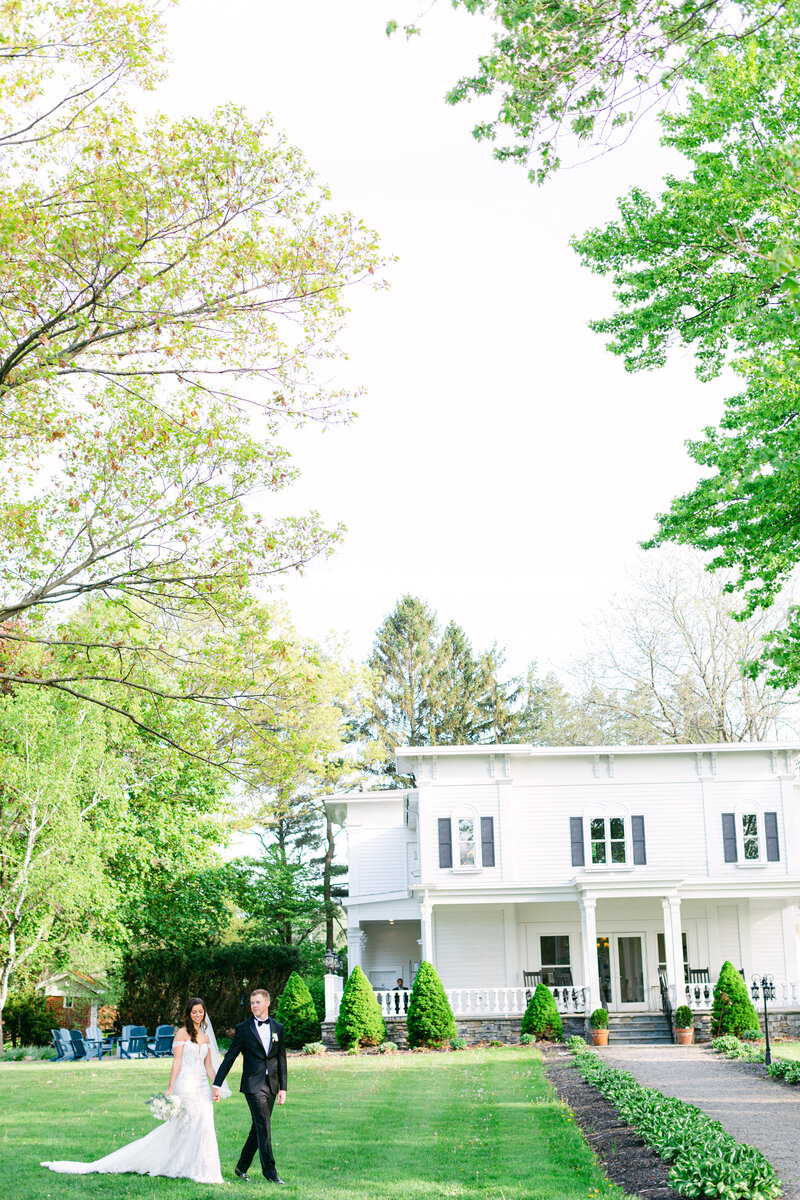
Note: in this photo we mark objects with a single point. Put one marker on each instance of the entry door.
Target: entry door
(620, 963)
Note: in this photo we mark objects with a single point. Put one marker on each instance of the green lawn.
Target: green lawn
(786, 1049)
(482, 1123)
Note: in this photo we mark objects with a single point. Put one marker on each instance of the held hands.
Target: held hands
(215, 1093)
(281, 1097)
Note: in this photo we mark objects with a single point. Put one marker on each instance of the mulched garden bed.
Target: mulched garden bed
(626, 1160)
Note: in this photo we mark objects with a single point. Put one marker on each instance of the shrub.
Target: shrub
(430, 1020)
(541, 1017)
(684, 1017)
(599, 1019)
(725, 1043)
(458, 1043)
(155, 982)
(785, 1068)
(353, 1049)
(26, 1020)
(360, 1022)
(313, 1048)
(20, 1053)
(495, 1042)
(387, 1048)
(751, 1035)
(297, 1014)
(731, 1010)
(316, 986)
(576, 1044)
(525, 1039)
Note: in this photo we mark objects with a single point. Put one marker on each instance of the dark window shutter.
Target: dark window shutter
(576, 838)
(487, 841)
(445, 842)
(639, 851)
(771, 832)
(729, 836)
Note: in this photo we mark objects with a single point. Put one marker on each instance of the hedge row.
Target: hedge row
(156, 984)
(706, 1161)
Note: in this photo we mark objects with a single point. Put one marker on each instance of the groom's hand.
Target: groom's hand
(215, 1092)
(281, 1097)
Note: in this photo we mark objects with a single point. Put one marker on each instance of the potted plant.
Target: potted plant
(684, 1025)
(598, 1022)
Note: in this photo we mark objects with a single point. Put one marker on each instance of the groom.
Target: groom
(263, 1050)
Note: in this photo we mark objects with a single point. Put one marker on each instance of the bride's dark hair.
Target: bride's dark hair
(187, 1016)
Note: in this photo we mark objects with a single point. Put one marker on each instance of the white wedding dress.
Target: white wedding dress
(184, 1148)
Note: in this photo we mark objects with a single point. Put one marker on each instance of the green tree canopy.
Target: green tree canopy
(583, 71)
(712, 264)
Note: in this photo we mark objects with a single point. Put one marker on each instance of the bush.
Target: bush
(751, 1035)
(155, 984)
(599, 1019)
(785, 1068)
(458, 1043)
(387, 1048)
(731, 1010)
(26, 1020)
(541, 1017)
(297, 1014)
(360, 1021)
(38, 1053)
(525, 1039)
(313, 1048)
(316, 986)
(684, 1017)
(576, 1044)
(430, 1020)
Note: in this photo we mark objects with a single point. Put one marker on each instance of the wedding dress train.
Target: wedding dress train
(185, 1147)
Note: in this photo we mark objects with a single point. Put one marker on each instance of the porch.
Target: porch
(607, 947)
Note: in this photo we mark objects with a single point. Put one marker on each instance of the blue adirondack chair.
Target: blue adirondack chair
(161, 1045)
(134, 1045)
(63, 1049)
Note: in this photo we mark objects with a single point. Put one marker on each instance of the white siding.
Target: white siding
(470, 946)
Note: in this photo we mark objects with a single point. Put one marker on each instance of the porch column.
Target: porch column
(356, 945)
(673, 947)
(591, 975)
(426, 925)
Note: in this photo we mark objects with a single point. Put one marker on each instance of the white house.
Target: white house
(598, 870)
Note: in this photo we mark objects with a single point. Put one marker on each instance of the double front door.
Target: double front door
(621, 967)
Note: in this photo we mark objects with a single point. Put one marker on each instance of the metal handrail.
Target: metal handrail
(666, 1005)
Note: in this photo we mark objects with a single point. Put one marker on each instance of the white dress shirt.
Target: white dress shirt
(265, 1034)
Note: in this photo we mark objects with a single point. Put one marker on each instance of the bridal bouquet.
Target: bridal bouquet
(164, 1108)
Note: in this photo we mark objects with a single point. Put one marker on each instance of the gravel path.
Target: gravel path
(756, 1110)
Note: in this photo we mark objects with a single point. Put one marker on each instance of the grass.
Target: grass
(399, 1127)
(786, 1049)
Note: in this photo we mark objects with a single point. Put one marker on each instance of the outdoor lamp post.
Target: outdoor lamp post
(767, 984)
(332, 961)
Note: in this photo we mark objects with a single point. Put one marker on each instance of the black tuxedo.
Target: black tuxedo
(263, 1076)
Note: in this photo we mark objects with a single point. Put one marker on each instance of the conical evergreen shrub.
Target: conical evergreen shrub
(429, 1020)
(541, 1017)
(731, 1010)
(360, 1021)
(297, 1014)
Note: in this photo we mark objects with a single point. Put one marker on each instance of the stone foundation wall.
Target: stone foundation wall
(472, 1029)
(783, 1023)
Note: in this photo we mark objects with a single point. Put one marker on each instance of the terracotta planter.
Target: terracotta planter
(685, 1036)
(599, 1037)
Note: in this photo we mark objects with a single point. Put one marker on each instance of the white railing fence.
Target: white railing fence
(512, 1001)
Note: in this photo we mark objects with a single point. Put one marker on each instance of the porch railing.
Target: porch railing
(700, 996)
(477, 1002)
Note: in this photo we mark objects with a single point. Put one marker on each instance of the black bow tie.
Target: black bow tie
(262, 1022)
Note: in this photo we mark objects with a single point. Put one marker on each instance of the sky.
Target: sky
(504, 466)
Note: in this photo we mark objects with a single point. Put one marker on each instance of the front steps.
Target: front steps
(641, 1029)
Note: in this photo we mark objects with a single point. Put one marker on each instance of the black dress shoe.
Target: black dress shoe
(273, 1178)
(241, 1175)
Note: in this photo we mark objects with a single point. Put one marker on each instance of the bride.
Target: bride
(186, 1146)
